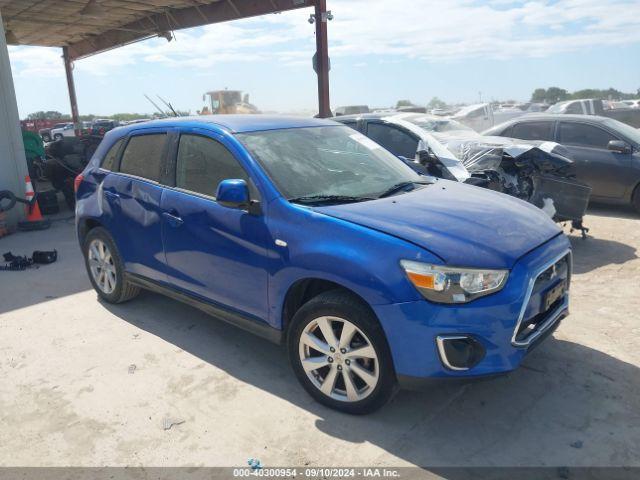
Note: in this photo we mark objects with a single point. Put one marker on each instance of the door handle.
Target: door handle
(173, 218)
(111, 194)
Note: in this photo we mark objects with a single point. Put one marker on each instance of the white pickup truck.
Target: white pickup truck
(595, 106)
(482, 116)
(66, 131)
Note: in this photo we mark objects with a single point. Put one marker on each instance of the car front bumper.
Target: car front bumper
(412, 328)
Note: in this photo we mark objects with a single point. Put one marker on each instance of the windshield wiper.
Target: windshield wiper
(399, 187)
(317, 199)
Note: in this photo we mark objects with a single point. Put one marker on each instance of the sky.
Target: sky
(381, 51)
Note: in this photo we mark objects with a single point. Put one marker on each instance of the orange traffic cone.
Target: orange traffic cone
(33, 210)
(35, 221)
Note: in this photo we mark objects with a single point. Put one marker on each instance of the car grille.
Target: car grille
(537, 314)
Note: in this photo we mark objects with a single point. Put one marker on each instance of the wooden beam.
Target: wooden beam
(185, 17)
(68, 68)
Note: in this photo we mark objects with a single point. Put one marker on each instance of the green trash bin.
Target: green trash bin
(34, 149)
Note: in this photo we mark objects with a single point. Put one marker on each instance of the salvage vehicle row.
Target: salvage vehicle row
(541, 173)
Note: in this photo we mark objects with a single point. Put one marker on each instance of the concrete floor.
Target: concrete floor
(67, 396)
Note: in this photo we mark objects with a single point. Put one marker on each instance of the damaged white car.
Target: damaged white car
(540, 173)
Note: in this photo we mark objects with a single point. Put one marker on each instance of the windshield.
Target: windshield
(431, 124)
(326, 161)
(628, 131)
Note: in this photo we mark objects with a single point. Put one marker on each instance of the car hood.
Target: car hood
(465, 226)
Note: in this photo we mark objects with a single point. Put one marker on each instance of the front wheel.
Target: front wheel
(57, 137)
(340, 355)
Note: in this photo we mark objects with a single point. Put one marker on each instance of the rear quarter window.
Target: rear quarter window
(533, 131)
(110, 159)
(143, 156)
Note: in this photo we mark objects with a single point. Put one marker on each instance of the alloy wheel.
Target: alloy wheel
(339, 359)
(102, 266)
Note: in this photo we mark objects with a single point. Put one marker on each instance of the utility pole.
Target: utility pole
(322, 58)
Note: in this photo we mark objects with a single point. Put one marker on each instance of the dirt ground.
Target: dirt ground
(89, 384)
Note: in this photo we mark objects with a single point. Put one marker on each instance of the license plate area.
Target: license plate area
(554, 294)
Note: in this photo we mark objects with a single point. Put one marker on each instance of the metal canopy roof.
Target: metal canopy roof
(106, 24)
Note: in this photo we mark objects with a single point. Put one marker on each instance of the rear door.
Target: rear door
(133, 191)
(215, 252)
(608, 173)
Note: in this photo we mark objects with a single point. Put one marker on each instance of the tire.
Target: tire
(57, 137)
(635, 199)
(69, 194)
(371, 376)
(11, 200)
(113, 287)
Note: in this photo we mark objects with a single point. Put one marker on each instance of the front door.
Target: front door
(607, 172)
(215, 252)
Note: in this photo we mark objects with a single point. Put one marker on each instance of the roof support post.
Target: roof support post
(322, 56)
(68, 68)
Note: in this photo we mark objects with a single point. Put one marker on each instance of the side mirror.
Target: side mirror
(233, 193)
(413, 165)
(618, 146)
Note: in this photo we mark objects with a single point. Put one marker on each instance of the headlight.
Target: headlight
(453, 285)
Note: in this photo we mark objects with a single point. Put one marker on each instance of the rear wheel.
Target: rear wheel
(340, 355)
(106, 269)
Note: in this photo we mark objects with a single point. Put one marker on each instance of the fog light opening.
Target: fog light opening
(459, 352)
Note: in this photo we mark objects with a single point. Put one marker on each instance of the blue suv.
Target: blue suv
(309, 234)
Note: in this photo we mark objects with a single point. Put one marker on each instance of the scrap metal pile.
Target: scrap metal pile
(540, 173)
(64, 160)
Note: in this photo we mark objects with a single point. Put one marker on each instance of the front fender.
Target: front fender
(360, 259)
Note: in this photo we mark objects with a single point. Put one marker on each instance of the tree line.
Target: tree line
(555, 94)
(122, 117)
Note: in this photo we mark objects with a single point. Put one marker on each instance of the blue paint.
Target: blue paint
(228, 256)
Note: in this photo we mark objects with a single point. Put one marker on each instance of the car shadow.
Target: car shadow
(592, 253)
(42, 283)
(617, 211)
(567, 405)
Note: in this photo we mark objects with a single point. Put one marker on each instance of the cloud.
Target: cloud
(430, 30)
(36, 62)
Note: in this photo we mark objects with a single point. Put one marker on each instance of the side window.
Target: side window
(351, 123)
(143, 156)
(507, 132)
(479, 113)
(584, 135)
(109, 161)
(203, 163)
(533, 131)
(575, 107)
(393, 139)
